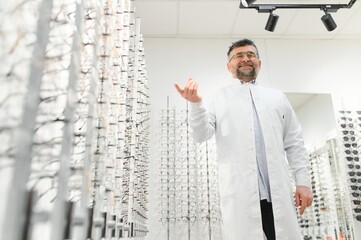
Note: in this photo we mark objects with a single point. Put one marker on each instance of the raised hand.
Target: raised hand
(190, 91)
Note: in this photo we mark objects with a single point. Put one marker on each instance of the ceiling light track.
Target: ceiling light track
(272, 19)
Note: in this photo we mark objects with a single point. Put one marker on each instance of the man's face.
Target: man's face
(243, 63)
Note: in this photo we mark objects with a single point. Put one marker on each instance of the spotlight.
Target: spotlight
(271, 22)
(246, 3)
(328, 22)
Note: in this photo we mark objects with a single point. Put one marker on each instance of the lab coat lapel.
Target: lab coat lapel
(281, 194)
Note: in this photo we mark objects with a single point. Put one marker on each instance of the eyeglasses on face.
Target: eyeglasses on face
(241, 55)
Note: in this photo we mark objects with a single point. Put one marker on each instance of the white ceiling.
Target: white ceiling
(224, 19)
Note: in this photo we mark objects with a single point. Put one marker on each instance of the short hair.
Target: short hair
(242, 43)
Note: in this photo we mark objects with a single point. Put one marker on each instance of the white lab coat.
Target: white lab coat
(229, 115)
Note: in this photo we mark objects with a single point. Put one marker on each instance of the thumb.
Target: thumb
(179, 89)
(298, 202)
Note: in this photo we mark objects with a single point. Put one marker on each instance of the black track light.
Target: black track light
(267, 7)
(246, 3)
(271, 22)
(328, 22)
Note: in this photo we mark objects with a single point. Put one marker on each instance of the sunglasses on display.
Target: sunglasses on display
(355, 152)
(354, 187)
(356, 159)
(346, 132)
(352, 173)
(353, 166)
(352, 139)
(344, 125)
(348, 145)
(344, 111)
(355, 194)
(354, 180)
(346, 119)
(357, 210)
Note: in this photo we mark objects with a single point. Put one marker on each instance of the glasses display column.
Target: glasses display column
(349, 126)
(189, 205)
(335, 191)
(74, 121)
(344, 216)
(330, 214)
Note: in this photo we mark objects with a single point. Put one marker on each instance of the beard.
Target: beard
(248, 74)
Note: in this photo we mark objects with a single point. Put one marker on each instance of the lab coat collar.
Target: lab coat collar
(250, 82)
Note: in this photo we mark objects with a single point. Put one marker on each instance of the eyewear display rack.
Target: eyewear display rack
(74, 121)
(331, 214)
(349, 130)
(189, 201)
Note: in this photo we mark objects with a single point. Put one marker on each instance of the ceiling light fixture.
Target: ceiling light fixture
(328, 21)
(271, 22)
(272, 19)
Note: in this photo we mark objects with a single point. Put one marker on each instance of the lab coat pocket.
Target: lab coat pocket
(228, 179)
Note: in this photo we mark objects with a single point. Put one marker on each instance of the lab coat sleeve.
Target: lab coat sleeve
(201, 121)
(296, 153)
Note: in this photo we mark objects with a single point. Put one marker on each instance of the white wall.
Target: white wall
(317, 120)
(311, 66)
(297, 66)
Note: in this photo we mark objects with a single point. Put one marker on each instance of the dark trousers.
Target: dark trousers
(267, 220)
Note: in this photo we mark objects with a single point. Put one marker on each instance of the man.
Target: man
(255, 128)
